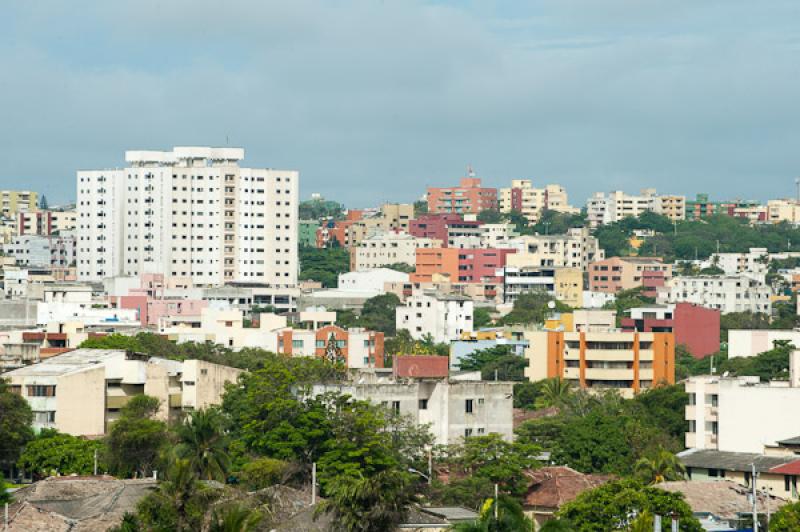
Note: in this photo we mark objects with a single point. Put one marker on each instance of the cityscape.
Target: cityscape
(532, 338)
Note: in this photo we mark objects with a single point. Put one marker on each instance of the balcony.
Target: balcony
(117, 401)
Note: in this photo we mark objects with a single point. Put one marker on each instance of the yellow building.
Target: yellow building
(16, 201)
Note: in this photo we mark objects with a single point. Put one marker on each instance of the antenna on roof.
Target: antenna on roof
(470, 171)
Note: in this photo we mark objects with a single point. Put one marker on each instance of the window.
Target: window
(423, 404)
(467, 433)
(481, 430)
(320, 344)
(48, 416)
(39, 390)
(468, 406)
(396, 407)
(297, 344)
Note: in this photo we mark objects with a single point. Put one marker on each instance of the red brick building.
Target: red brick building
(460, 265)
(694, 326)
(358, 348)
(440, 226)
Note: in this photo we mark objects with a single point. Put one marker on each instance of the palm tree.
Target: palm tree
(510, 518)
(202, 442)
(662, 467)
(179, 491)
(554, 392)
(234, 518)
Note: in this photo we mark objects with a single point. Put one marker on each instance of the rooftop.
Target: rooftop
(729, 461)
(722, 498)
(66, 363)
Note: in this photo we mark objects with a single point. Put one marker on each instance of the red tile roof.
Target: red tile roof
(792, 468)
(551, 487)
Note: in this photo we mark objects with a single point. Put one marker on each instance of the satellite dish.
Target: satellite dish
(551, 305)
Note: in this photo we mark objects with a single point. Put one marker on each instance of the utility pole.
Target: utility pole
(430, 466)
(95, 462)
(755, 499)
(313, 484)
(496, 495)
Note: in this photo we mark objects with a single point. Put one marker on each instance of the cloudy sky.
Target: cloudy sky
(374, 100)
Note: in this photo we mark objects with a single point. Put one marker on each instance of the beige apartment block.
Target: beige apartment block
(13, 202)
(523, 197)
(575, 249)
(388, 248)
(82, 392)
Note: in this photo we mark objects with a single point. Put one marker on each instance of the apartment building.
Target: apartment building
(600, 360)
(729, 293)
(751, 342)
(740, 414)
(307, 233)
(701, 207)
(355, 347)
(604, 209)
(574, 249)
(783, 210)
(443, 317)
(563, 284)
(81, 392)
(13, 202)
(389, 248)
(497, 235)
(695, 327)
(460, 265)
(374, 280)
(615, 274)
(192, 213)
(45, 223)
(469, 197)
(523, 197)
(754, 262)
(43, 251)
(453, 408)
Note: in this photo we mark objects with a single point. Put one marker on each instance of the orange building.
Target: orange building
(598, 360)
(469, 197)
(436, 261)
(338, 231)
(357, 348)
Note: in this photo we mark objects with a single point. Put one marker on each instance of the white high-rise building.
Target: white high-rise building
(189, 213)
(604, 209)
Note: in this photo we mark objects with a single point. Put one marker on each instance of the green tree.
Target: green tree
(664, 466)
(420, 207)
(557, 223)
(532, 307)
(510, 518)
(5, 496)
(43, 205)
(52, 451)
(500, 359)
(628, 299)
(401, 267)
(526, 393)
(15, 425)
(769, 365)
(741, 320)
(664, 406)
(136, 439)
(316, 209)
(369, 503)
(613, 240)
(234, 517)
(490, 216)
(554, 392)
(378, 313)
(202, 442)
(262, 472)
(611, 506)
(786, 519)
(481, 317)
(324, 265)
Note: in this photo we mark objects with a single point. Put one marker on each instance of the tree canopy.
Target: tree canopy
(15, 424)
(500, 359)
(324, 264)
(532, 307)
(52, 452)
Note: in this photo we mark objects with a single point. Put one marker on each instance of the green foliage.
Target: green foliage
(372, 503)
(557, 223)
(316, 209)
(482, 461)
(610, 506)
(43, 205)
(769, 365)
(53, 452)
(664, 406)
(378, 313)
(500, 359)
(554, 392)
(5, 496)
(602, 433)
(786, 519)
(15, 424)
(628, 299)
(403, 344)
(234, 517)
(481, 317)
(664, 466)
(203, 444)
(262, 472)
(420, 207)
(324, 265)
(490, 216)
(136, 439)
(401, 267)
(532, 307)
(741, 320)
(613, 240)
(526, 393)
(510, 517)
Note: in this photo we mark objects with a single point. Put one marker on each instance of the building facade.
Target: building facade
(599, 360)
(563, 284)
(615, 274)
(192, 213)
(443, 317)
(729, 293)
(388, 248)
(532, 202)
(575, 249)
(13, 202)
(695, 327)
(469, 197)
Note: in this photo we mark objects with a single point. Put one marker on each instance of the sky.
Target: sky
(374, 100)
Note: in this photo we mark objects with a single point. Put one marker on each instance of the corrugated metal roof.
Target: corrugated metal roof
(712, 459)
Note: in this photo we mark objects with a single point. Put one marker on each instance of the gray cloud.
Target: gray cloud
(375, 100)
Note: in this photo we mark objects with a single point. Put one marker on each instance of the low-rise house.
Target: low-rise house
(81, 392)
(374, 279)
(600, 360)
(550, 488)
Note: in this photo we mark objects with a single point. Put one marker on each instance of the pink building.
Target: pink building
(151, 303)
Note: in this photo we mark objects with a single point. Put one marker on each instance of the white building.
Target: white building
(191, 213)
(443, 317)
(497, 235)
(604, 209)
(522, 196)
(575, 249)
(43, 251)
(374, 280)
(740, 414)
(730, 293)
(750, 342)
(388, 248)
(755, 263)
(454, 409)
(82, 392)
